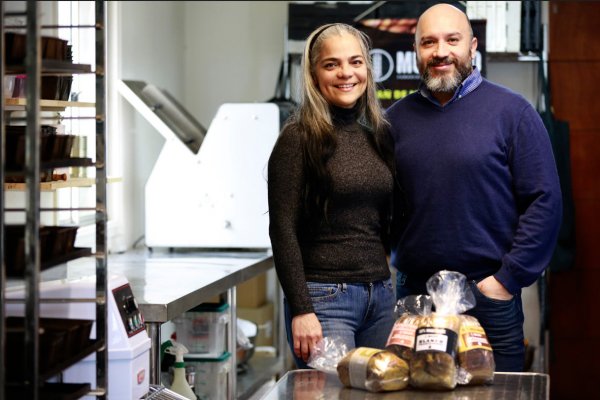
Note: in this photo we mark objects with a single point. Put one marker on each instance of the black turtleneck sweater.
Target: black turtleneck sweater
(348, 247)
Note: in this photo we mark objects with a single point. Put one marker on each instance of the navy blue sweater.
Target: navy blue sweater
(482, 190)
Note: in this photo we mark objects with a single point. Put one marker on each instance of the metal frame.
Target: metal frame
(2, 204)
(32, 205)
(101, 216)
(32, 200)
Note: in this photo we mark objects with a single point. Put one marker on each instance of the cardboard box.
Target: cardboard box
(253, 292)
(263, 317)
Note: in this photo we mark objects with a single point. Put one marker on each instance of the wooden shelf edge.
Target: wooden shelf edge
(54, 185)
(53, 67)
(49, 105)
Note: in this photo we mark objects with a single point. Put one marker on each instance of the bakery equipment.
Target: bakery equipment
(208, 189)
(128, 342)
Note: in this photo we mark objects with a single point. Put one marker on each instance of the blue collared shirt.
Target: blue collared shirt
(464, 89)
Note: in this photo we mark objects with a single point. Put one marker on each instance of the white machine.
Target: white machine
(128, 342)
(207, 189)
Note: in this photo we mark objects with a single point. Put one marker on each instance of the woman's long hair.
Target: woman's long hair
(314, 121)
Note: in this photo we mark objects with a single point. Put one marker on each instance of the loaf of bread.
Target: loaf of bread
(433, 364)
(475, 353)
(374, 370)
(402, 337)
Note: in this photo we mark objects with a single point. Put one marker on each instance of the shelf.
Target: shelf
(64, 163)
(55, 185)
(511, 57)
(51, 391)
(33, 383)
(19, 104)
(53, 67)
(92, 347)
(77, 252)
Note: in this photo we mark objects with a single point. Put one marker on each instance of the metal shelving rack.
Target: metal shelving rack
(32, 206)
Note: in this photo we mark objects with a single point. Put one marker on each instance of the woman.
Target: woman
(330, 196)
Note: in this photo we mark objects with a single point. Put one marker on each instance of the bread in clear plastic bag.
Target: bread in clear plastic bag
(433, 363)
(475, 353)
(401, 340)
(374, 370)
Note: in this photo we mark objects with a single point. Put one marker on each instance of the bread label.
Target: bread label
(357, 368)
(402, 334)
(473, 337)
(436, 339)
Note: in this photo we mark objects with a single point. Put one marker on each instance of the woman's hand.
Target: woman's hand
(306, 332)
(493, 289)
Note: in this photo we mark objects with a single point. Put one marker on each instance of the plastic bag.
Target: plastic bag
(327, 353)
(375, 370)
(475, 355)
(402, 336)
(433, 364)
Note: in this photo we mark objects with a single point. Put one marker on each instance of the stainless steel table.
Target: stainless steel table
(312, 384)
(166, 284)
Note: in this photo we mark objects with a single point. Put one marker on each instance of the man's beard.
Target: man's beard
(446, 83)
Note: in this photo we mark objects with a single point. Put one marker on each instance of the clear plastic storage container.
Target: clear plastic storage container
(211, 375)
(202, 329)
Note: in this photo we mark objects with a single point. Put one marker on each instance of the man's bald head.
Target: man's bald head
(445, 49)
(443, 14)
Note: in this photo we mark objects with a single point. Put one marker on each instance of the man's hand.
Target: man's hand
(493, 289)
(306, 332)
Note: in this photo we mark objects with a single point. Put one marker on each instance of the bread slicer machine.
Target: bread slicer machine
(208, 189)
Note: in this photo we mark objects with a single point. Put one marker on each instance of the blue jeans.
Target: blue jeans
(502, 321)
(362, 314)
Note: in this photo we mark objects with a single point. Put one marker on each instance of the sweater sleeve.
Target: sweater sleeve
(538, 200)
(285, 182)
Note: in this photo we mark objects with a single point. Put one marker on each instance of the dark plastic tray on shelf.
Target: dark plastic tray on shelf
(51, 48)
(53, 147)
(56, 247)
(63, 342)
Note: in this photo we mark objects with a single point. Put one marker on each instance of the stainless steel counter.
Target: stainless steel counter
(312, 384)
(168, 284)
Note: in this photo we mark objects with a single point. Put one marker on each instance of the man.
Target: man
(482, 195)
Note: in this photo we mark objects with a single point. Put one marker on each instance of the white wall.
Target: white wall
(205, 54)
(148, 38)
(233, 50)
(520, 76)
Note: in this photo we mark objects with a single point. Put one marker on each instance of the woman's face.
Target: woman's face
(341, 71)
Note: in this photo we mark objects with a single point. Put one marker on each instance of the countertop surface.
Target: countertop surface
(312, 384)
(166, 284)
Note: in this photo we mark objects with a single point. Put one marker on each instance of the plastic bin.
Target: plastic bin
(211, 375)
(202, 330)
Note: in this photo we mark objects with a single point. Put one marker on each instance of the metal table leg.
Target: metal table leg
(153, 329)
(232, 344)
